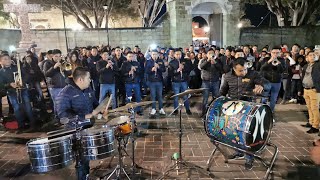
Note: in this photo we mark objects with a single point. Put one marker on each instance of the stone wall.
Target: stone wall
(55, 38)
(304, 36)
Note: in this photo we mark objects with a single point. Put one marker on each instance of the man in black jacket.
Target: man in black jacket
(54, 78)
(130, 70)
(272, 70)
(118, 58)
(311, 85)
(92, 62)
(107, 71)
(8, 82)
(211, 69)
(179, 70)
(154, 68)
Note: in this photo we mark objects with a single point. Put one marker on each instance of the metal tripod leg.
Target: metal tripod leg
(209, 162)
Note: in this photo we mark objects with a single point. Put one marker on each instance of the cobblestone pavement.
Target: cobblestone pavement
(158, 140)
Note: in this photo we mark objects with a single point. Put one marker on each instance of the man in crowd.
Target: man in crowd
(107, 71)
(92, 66)
(130, 70)
(179, 71)
(120, 87)
(19, 98)
(311, 85)
(154, 68)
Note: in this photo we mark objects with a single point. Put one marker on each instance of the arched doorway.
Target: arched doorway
(200, 31)
(213, 14)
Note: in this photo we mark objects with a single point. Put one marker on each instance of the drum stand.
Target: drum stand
(119, 167)
(268, 165)
(181, 163)
(78, 154)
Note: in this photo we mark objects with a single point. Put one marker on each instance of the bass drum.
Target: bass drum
(48, 155)
(98, 142)
(241, 124)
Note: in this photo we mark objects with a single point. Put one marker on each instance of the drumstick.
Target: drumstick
(101, 106)
(105, 113)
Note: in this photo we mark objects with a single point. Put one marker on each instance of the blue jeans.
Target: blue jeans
(274, 91)
(179, 87)
(212, 87)
(108, 88)
(137, 92)
(54, 94)
(156, 92)
(18, 108)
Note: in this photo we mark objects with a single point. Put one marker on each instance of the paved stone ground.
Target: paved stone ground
(158, 140)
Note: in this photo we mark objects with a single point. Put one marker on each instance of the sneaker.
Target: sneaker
(308, 125)
(162, 112)
(153, 112)
(313, 130)
(236, 156)
(292, 100)
(249, 164)
(189, 112)
(283, 102)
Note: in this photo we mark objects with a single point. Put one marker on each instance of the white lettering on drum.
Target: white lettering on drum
(259, 123)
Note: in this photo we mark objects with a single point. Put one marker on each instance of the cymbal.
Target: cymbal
(118, 120)
(188, 91)
(102, 105)
(131, 105)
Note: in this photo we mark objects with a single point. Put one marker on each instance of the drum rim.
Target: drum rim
(53, 164)
(91, 147)
(107, 130)
(51, 141)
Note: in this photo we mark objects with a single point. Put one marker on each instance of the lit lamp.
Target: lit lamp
(240, 25)
(206, 29)
(105, 7)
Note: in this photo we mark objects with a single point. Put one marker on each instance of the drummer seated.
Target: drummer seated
(75, 103)
(237, 82)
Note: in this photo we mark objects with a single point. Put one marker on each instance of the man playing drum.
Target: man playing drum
(238, 82)
(75, 103)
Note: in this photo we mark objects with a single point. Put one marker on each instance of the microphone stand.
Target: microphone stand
(180, 162)
(78, 151)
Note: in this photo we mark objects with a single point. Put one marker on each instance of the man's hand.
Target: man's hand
(88, 116)
(153, 69)
(258, 89)
(58, 64)
(94, 113)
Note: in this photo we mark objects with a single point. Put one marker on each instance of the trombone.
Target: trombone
(18, 80)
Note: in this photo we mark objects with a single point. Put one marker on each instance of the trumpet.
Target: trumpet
(156, 69)
(275, 62)
(249, 64)
(65, 66)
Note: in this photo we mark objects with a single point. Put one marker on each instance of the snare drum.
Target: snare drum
(48, 155)
(98, 142)
(241, 124)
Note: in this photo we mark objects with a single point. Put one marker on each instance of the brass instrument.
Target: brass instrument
(156, 69)
(275, 62)
(249, 64)
(18, 80)
(65, 66)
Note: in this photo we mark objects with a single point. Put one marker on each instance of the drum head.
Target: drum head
(260, 128)
(38, 141)
(96, 130)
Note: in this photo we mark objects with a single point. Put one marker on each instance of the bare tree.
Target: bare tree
(149, 11)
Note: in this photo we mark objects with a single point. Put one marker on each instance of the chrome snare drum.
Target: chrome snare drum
(48, 155)
(241, 124)
(98, 142)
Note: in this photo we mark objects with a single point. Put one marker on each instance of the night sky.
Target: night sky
(257, 12)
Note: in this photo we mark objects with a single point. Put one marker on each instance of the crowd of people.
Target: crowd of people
(126, 73)
(78, 82)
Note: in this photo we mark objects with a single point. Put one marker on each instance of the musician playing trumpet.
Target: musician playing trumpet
(154, 68)
(70, 64)
(16, 92)
(272, 70)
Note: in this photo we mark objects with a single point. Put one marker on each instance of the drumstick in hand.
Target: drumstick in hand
(105, 113)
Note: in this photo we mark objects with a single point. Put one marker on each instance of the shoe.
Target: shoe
(153, 112)
(249, 164)
(162, 112)
(308, 125)
(236, 156)
(313, 130)
(189, 112)
(283, 102)
(292, 100)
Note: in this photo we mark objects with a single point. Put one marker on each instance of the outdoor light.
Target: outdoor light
(15, 1)
(12, 48)
(153, 46)
(196, 26)
(239, 25)
(77, 28)
(206, 29)
(105, 7)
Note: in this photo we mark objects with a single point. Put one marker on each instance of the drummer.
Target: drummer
(75, 102)
(240, 81)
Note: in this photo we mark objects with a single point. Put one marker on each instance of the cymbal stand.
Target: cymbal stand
(78, 152)
(120, 166)
(181, 163)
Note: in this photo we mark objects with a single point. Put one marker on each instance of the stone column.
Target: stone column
(231, 33)
(180, 23)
